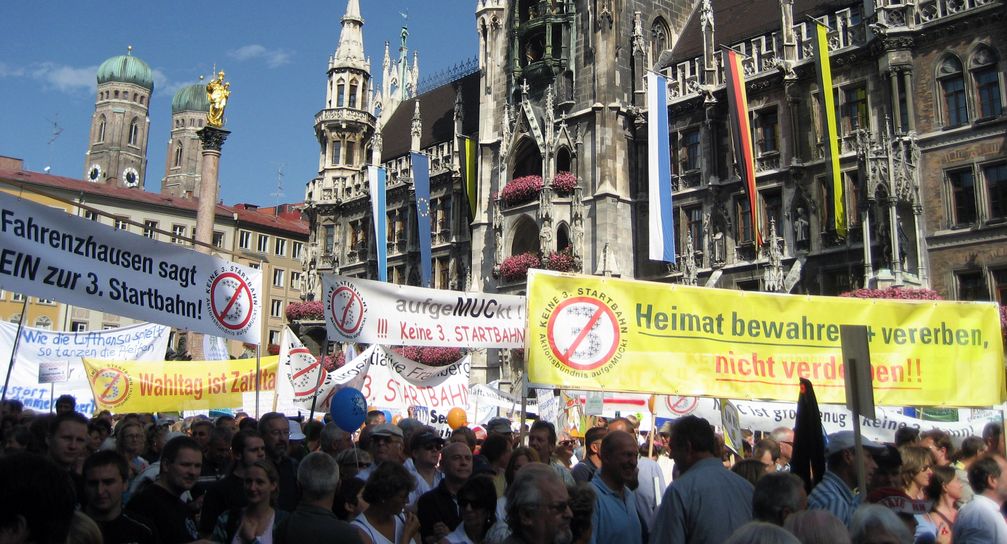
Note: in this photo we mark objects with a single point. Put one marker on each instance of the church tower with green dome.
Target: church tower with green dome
(117, 149)
(184, 157)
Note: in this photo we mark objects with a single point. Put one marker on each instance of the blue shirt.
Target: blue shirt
(615, 518)
(703, 506)
(834, 495)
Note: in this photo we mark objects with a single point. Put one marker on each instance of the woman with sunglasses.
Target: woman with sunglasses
(477, 501)
(384, 521)
(254, 523)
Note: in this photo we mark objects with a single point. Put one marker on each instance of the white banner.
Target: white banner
(374, 312)
(766, 416)
(142, 342)
(392, 382)
(50, 254)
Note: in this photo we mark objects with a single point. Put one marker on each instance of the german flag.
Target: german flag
(737, 102)
(824, 69)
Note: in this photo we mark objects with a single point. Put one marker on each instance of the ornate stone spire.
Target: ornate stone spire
(350, 52)
(773, 276)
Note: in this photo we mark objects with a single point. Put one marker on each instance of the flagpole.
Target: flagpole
(258, 370)
(318, 380)
(13, 351)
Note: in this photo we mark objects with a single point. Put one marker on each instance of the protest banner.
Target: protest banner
(51, 254)
(38, 347)
(159, 386)
(374, 312)
(766, 416)
(593, 333)
(392, 382)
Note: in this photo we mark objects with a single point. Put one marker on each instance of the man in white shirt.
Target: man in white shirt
(980, 521)
(424, 454)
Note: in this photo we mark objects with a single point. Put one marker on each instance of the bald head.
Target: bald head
(621, 424)
(456, 461)
(618, 458)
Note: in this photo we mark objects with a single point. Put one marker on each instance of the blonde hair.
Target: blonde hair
(83, 530)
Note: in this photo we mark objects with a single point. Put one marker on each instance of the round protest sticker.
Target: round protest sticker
(110, 386)
(681, 406)
(306, 373)
(583, 333)
(231, 301)
(347, 310)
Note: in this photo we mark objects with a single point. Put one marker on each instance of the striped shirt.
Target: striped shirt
(834, 495)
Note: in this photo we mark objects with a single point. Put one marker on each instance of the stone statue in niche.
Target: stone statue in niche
(801, 228)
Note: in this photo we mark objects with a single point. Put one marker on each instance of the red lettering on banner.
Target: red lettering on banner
(392, 385)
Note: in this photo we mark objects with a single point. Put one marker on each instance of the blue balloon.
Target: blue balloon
(348, 409)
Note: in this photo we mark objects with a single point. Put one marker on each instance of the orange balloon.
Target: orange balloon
(650, 403)
(457, 418)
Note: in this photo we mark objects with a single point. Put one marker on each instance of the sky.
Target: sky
(275, 55)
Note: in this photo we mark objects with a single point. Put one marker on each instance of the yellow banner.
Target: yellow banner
(168, 386)
(592, 333)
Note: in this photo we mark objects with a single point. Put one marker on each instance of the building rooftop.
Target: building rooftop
(11, 169)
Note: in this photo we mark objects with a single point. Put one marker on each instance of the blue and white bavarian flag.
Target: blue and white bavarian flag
(376, 183)
(421, 184)
(662, 218)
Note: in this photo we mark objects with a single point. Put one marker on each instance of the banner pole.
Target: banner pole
(321, 361)
(52, 394)
(258, 371)
(13, 351)
(524, 409)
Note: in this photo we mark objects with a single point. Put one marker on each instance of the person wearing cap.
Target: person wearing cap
(981, 520)
(500, 425)
(385, 445)
(584, 470)
(837, 492)
(424, 454)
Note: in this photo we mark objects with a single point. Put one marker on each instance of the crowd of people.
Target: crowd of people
(138, 478)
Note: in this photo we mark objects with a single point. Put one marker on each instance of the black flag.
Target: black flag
(808, 460)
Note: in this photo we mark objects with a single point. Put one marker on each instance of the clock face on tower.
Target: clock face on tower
(94, 173)
(131, 177)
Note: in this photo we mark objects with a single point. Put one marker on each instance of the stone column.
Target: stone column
(212, 139)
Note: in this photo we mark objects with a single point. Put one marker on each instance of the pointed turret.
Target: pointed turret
(350, 52)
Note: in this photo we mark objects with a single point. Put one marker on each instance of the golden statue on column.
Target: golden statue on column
(217, 92)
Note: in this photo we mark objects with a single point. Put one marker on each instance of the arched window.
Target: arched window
(101, 130)
(952, 84)
(340, 99)
(563, 163)
(526, 238)
(353, 94)
(178, 154)
(43, 322)
(983, 65)
(528, 159)
(562, 237)
(660, 39)
(134, 131)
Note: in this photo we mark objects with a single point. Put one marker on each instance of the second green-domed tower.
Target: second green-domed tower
(117, 149)
(184, 158)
